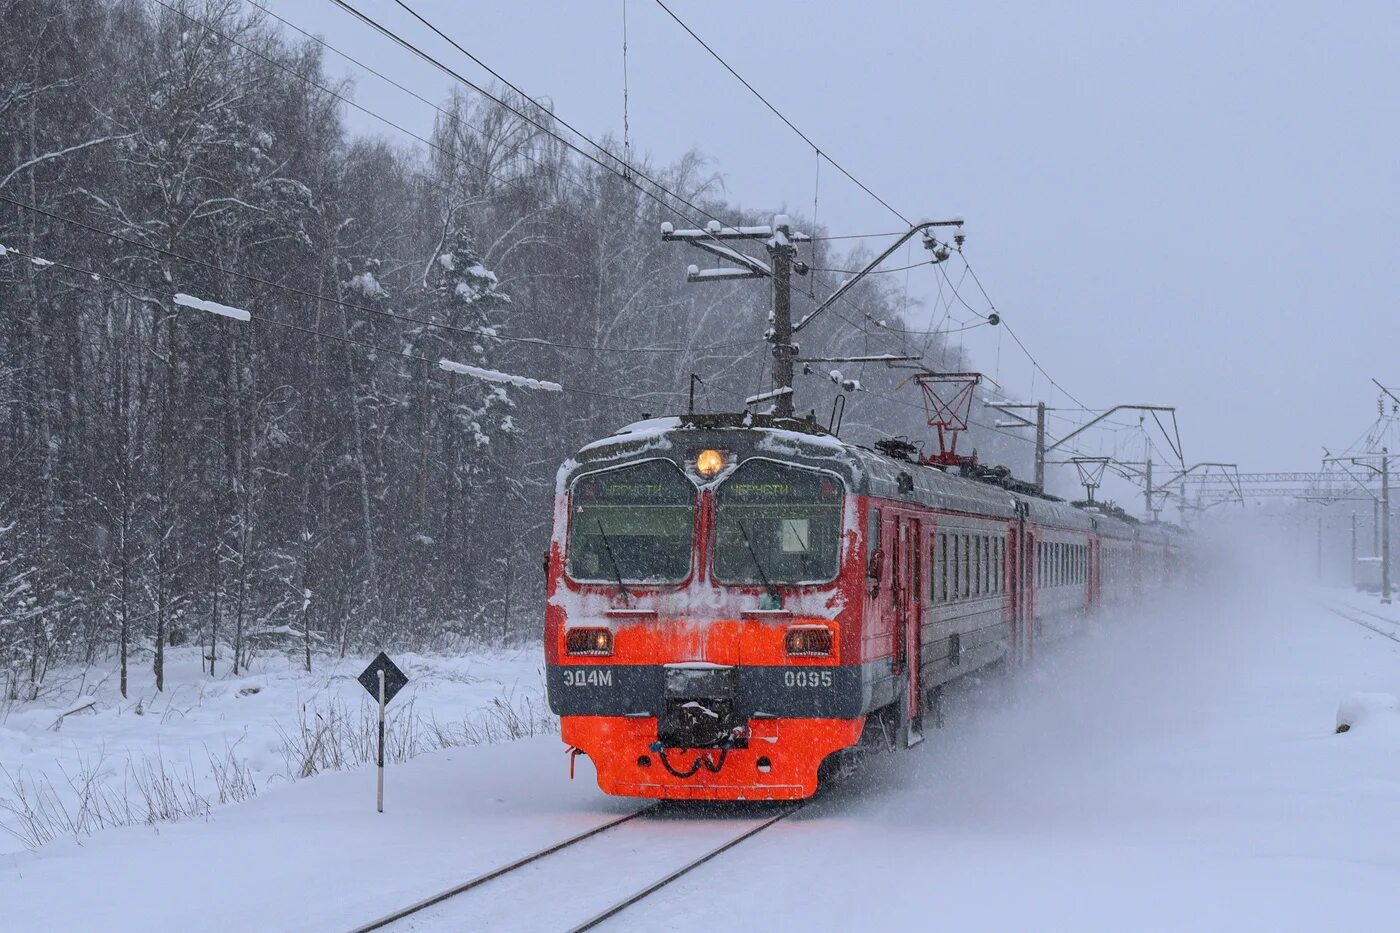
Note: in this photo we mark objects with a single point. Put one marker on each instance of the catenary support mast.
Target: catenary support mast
(780, 241)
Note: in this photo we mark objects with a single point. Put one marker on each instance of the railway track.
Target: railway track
(590, 849)
(1367, 619)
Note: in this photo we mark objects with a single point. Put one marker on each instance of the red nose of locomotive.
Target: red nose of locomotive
(754, 719)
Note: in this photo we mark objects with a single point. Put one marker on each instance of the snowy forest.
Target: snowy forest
(310, 480)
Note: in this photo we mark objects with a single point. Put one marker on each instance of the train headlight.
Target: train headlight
(811, 641)
(709, 462)
(595, 641)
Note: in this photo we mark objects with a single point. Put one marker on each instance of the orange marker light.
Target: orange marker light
(595, 641)
(709, 462)
(809, 642)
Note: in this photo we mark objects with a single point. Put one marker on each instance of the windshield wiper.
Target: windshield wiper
(612, 559)
(762, 574)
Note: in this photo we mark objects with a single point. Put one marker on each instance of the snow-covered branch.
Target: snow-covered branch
(56, 154)
(213, 307)
(491, 375)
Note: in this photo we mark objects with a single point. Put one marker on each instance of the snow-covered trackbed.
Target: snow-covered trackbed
(593, 875)
(1381, 625)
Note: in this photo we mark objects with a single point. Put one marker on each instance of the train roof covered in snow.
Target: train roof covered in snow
(864, 471)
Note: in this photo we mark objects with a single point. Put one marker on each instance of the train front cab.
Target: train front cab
(703, 634)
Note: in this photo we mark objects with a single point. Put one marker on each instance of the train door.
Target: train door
(908, 596)
(1028, 584)
(1014, 598)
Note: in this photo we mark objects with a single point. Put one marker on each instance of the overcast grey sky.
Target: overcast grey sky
(1191, 204)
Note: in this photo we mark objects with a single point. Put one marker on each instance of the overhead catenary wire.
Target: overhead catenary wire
(404, 43)
(630, 177)
(1009, 329)
(820, 153)
(912, 265)
(514, 184)
(383, 30)
(778, 113)
(860, 236)
(350, 102)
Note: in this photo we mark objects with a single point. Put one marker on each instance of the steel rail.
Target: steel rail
(684, 869)
(1362, 622)
(498, 872)
(1375, 615)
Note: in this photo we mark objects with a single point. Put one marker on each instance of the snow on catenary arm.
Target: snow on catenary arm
(491, 375)
(213, 307)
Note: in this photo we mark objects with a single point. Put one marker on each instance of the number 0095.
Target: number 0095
(807, 678)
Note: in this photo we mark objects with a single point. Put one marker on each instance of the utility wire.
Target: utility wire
(349, 102)
(792, 126)
(992, 306)
(912, 265)
(629, 177)
(861, 236)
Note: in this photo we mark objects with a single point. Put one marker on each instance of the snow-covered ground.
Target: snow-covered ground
(204, 741)
(1179, 771)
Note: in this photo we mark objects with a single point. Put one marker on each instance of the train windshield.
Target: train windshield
(777, 524)
(634, 524)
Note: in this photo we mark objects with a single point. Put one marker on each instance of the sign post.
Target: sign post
(379, 798)
(383, 680)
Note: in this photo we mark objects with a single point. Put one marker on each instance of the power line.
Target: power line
(958, 294)
(629, 177)
(861, 236)
(931, 333)
(792, 126)
(993, 308)
(821, 155)
(307, 79)
(912, 265)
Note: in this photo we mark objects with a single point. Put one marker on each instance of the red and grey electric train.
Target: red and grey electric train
(735, 601)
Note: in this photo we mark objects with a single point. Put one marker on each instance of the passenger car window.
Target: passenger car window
(966, 590)
(941, 577)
